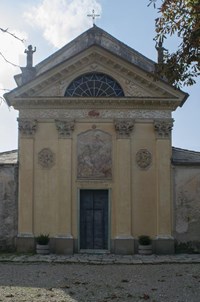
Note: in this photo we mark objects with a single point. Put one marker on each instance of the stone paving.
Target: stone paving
(101, 258)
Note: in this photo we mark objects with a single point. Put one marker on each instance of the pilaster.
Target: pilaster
(164, 199)
(124, 243)
(64, 239)
(27, 129)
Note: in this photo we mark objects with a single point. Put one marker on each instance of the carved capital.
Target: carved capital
(163, 128)
(27, 127)
(65, 128)
(46, 158)
(124, 127)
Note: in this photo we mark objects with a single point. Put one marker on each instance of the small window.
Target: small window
(94, 85)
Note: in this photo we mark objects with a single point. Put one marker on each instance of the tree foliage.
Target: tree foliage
(180, 18)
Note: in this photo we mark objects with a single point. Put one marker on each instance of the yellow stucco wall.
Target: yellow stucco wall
(140, 199)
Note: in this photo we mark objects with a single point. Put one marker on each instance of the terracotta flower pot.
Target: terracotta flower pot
(145, 249)
(42, 249)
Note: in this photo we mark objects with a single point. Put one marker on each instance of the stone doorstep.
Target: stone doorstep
(94, 259)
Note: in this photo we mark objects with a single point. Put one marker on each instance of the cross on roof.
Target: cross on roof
(93, 15)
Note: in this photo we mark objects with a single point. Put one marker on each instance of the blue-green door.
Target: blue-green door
(94, 219)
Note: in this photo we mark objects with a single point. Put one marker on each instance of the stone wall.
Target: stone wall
(187, 206)
(8, 206)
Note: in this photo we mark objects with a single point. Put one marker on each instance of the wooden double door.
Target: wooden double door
(94, 219)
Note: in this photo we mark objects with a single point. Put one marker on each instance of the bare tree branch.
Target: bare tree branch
(15, 65)
(4, 89)
(12, 34)
(2, 100)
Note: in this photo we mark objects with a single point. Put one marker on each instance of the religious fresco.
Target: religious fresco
(94, 155)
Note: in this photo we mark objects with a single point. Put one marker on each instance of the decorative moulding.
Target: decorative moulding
(149, 103)
(68, 114)
(27, 127)
(143, 158)
(124, 128)
(65, 128)
(163, 128)
(46, 158)
(90, 61)
(134, 90)
(86, 60)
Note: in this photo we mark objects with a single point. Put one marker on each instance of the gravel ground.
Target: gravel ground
(99, 283)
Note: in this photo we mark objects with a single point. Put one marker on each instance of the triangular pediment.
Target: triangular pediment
(96, 51)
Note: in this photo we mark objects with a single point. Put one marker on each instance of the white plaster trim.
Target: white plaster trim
(124, 237)
(63, 237)
(165, 237)
(97, 103)
(25, 235)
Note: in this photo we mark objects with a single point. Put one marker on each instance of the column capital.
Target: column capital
(27, 127)
(163, 127)
(124, 127)
(65, 128)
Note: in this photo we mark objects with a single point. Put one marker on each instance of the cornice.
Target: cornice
(97, 103)
(92, 56)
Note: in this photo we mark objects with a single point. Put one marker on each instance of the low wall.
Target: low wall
(8, 206)
(187, 207)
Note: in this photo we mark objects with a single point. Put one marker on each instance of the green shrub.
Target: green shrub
(42, 239)
(144, 240)
(189, 247)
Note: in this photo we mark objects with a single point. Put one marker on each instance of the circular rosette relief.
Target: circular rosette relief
(143, 158)
(46, 158)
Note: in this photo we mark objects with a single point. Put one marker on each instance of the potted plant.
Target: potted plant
(42, 244)
(145, 246)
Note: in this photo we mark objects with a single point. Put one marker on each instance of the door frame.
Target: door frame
(109, 221)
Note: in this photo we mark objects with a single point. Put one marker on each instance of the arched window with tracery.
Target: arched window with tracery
(94, 85)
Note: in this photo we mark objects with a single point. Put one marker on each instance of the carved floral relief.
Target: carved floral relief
(27, 127)
(163, 128)
(134, 90)
(124, 127)
(94, 155)
(85, 113)
(65, 128)
(46, 158)
(143, 158)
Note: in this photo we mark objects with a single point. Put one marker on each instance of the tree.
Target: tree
(6, 31)
(181, 18)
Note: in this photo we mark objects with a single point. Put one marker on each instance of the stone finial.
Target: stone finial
(124, 128)
(27, 127)
(163, 128)
(160, 49)
(65, 128)
(29, 52)
(28, 72)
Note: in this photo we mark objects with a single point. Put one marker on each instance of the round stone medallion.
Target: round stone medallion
(143, 158)
(46, 158)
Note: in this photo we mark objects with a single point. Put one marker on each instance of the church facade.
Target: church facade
(95, 152)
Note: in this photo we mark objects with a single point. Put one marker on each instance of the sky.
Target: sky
(49, 25)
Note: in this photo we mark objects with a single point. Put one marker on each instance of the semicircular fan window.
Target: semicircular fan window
(94, 85)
